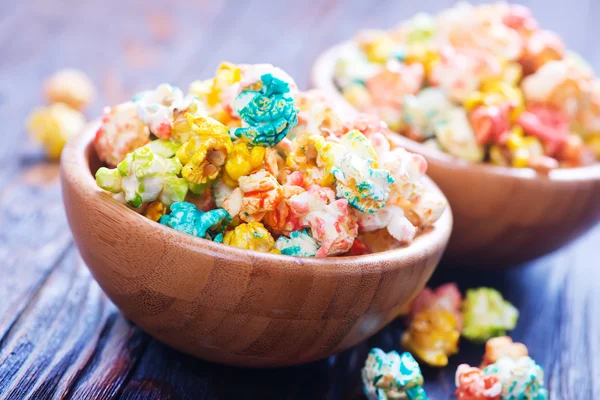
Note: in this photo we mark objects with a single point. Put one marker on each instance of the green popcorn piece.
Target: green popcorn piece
(520, 379)
(486, 314)
(147, 174)
(299, 244)
(109, 179)
(186, 218)
(164, 148)
(391, 375)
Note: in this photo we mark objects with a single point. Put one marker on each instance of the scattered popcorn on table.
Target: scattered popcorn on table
(465, 80)
(502, 346)
(432, 336)
(445, 297)
(53, 125)
(248, 160)
(388, 376)
(520, 379)
(486, 314)
(472, 384)
(70, 86)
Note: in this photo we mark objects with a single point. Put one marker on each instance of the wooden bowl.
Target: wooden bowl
(502, 216)
(229, 305)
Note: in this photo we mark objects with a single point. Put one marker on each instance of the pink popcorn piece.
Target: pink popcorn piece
(445, 297)
(120, 133)
(332, 222)
(389, 87)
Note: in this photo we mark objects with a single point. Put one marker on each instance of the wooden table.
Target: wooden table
(61, 337)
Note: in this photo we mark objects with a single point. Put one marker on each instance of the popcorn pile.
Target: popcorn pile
(439, 317)
(68, 91)
(482, 83)
(247, 159)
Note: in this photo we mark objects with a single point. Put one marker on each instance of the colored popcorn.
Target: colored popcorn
(156, 108)
(502, 346)
(53, 125)
(486, 314)
(299, 244)
(388, 376)
(149, 173)
(432, 336)
(445, 297)
(71, 87)
(185, 217)
(520, 379)
(248, 160)
(267, 114)
(251, 236)
(472, 384)
(120, 133)
(465, 80)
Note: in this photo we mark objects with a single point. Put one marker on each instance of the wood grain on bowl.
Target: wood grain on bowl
(502, 216)
(230, 305)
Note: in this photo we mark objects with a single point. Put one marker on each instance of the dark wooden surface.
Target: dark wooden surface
(61, 337)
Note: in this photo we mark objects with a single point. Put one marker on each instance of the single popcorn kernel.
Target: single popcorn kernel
(520, 379)
(70, 86)
(52, 126)
(267, 114)
(147, 174)
(472, 384)
(202, 159)
(486, 314)
(155, 210)
(502, 346)
(242, 161)
(388, 376)
(251, 236)
(432, 336)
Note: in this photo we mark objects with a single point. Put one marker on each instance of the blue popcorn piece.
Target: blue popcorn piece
(186, 218)
(391, 375)
(520, 379)
(299, 244)
(267, 114)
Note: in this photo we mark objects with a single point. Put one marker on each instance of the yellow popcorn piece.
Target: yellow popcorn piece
(227, 74)
(52, 126)
(251, 236)
(377, 45)
(202, 160)
(70, 86)
(242, 161)
(593, 142)
(155, 210)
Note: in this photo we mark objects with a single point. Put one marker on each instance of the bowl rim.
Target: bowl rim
(322, 78)
(76, 173)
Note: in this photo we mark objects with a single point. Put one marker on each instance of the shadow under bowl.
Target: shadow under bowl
(229, 305)
(502, 216)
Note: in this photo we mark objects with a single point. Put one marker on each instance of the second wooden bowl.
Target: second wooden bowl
(234, 306)
(502, 216)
